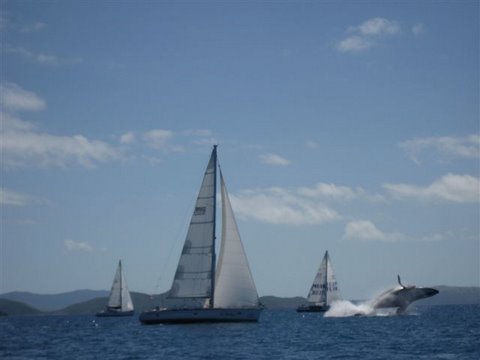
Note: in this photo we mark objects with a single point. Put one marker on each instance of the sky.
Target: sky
(347, 126)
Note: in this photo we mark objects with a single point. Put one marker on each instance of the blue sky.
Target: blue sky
(347, 126)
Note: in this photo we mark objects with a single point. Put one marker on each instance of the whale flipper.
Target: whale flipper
(399, 282)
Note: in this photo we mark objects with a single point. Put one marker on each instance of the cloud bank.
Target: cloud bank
(447, 147)
(451, 187)
(22, 144)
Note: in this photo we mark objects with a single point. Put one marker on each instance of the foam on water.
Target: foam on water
(345, 308)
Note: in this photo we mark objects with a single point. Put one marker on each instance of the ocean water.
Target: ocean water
(436, 332)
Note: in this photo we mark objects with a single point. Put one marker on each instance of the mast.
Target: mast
(214, 257)
(121, 282)
(326, 277)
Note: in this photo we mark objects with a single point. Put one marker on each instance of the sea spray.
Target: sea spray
(345, 308)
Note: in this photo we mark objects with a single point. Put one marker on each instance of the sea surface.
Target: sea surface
(436, 332)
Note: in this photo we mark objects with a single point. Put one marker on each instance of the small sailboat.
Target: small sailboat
(324, 289)
(203, 291)
(120, 301)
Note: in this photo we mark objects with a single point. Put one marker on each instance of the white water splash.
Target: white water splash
(344, 308)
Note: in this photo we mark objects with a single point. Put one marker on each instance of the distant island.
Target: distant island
(82, 302)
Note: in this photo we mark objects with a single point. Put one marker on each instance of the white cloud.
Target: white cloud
(329, 190)
(296, 206)
(22, 144)
(366, 230)
(77, 246)
(274, 159)
(14, 98)
(418, 29)
(311, 144)
(23, 148)
(10, 122)
(10, 197)
(379, 26)
(355, 44)
(37, 26)
(451, 187)
(127, 138)
(368, 34)
(158, 138)
(467, 147)
(338, 192)
(40, 58)
(199, 132)
(280, 206)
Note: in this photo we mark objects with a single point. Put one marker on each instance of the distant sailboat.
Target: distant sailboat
(324, 289)
(201, 291)
(119, 302)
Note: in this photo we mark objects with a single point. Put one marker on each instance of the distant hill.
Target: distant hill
(274, 302)
(10, 307)
(454, 295)
(140, 302)
(51, 302)
(92, 301)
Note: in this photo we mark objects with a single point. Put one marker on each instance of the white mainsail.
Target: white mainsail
(234, 285)
(193, 282)
(119, 294)
(324, 289)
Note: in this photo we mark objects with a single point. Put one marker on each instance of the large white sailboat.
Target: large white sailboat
(324, 289)
(120, 301)
(203, 291)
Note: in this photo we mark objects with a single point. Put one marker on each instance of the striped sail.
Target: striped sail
(324, 289)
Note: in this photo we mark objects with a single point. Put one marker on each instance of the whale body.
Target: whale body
(402, 296)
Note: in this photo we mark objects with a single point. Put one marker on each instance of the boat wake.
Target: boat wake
(344, 308)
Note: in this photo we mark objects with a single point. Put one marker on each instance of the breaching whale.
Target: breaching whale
(402, 296)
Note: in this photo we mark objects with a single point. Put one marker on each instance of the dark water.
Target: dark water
(437, 332)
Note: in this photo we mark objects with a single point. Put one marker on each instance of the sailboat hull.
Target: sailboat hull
(109, 313)
(183, 316)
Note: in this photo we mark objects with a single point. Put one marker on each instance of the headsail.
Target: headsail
(234, 285)
(324, 289)
(193, 282)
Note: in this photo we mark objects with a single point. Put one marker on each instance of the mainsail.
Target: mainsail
(234, 286)
(194, 279)
(324, 289)
(119, 295)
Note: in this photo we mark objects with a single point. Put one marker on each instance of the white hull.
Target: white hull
(167, 316)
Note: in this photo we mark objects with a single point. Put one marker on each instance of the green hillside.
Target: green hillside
(10, 307)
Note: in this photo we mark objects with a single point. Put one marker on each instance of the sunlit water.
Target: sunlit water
(437, 332)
